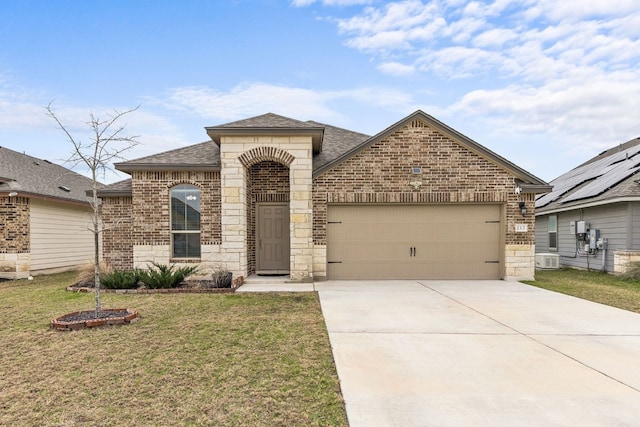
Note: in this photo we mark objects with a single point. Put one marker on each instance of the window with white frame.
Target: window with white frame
(185, 221)
(553, 232)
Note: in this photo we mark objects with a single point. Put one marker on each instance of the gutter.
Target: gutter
(589, 205)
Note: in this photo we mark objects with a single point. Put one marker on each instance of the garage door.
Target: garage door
(414, 242)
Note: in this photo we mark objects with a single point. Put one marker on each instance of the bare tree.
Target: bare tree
(105, 144)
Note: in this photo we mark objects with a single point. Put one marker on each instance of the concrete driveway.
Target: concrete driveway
(480, 353)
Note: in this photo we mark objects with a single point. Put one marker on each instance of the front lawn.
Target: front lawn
(593, 286)
(191, 360)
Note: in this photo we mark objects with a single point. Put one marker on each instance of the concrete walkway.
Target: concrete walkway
(480, 353)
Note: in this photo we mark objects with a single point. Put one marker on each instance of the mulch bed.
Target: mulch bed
(191, 286)
(87, 319)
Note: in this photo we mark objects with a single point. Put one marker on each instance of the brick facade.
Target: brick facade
(14, 237)
(14, 233)
(451, 173)
(117, 232)
(143, 220)
(259, 169)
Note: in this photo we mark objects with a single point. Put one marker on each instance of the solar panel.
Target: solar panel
(602, 184)
(604, 173)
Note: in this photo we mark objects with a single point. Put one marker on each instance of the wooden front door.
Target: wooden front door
(272, 245)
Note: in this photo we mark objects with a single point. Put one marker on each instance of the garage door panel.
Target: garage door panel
(414, 242)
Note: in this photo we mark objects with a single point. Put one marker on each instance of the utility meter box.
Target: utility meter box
(594, 235)
(572, 227)
(582, 227)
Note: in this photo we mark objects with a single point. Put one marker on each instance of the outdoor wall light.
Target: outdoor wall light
(13, 194)
(523, 208)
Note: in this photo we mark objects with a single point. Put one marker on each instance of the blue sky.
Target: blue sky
(545, 83)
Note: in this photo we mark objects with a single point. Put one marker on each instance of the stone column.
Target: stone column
(301, 214)
(234, 209)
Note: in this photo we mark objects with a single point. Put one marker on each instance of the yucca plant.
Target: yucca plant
(165, 276)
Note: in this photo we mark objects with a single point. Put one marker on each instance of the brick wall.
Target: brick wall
(451, 173)
(117, 223)
(14, 218)
(15, 243)
(145, 218)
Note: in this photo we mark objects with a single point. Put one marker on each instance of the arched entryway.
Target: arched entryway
(268, 230)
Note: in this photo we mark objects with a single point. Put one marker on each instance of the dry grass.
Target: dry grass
(593, 286)
(192, 360)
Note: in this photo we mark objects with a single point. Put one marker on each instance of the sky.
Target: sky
(546, 84)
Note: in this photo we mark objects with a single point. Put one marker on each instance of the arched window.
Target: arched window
(185, 221)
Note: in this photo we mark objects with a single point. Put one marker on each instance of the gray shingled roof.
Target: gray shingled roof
(337, 141)
(203, 156)
(27, 175)
(619, 173)
(269, 120)
(120, 188)
(337, 145)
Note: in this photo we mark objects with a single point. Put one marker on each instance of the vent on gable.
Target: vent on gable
(417, 124)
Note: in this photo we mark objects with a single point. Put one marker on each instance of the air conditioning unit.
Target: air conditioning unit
(548, 261)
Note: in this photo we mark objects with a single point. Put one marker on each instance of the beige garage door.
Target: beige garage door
(414, 242)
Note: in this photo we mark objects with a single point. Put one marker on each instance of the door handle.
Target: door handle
(414, 251)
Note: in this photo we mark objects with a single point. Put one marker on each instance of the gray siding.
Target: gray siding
(619, 223)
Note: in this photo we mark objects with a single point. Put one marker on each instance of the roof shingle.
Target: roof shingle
(29, 175)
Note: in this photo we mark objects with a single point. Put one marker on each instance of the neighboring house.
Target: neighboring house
(44, 217)
(591, 218)
(273, 195)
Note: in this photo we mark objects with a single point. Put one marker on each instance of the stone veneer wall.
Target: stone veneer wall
(14, 237)
(382, 173)
(622, 260)
(237, 154)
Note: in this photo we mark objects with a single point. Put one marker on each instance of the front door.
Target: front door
(272, 245)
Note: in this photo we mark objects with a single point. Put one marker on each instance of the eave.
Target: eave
(132, 167)
(216, 133)
(588, 205)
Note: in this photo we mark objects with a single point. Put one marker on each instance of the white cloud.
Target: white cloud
(396, 69)
(304, 3)
(256, 98)
(592, 109)
(494, 34)
(248, 100)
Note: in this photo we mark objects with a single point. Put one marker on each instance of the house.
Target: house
(44, 217)
(591, 219)
(271, 195)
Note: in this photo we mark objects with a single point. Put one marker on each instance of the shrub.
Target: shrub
(165, 276)
(222, 278)
(120, 279)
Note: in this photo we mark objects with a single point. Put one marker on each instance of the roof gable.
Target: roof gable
(607, 176)
(528, 181)
(268, 124)
(27, 175)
